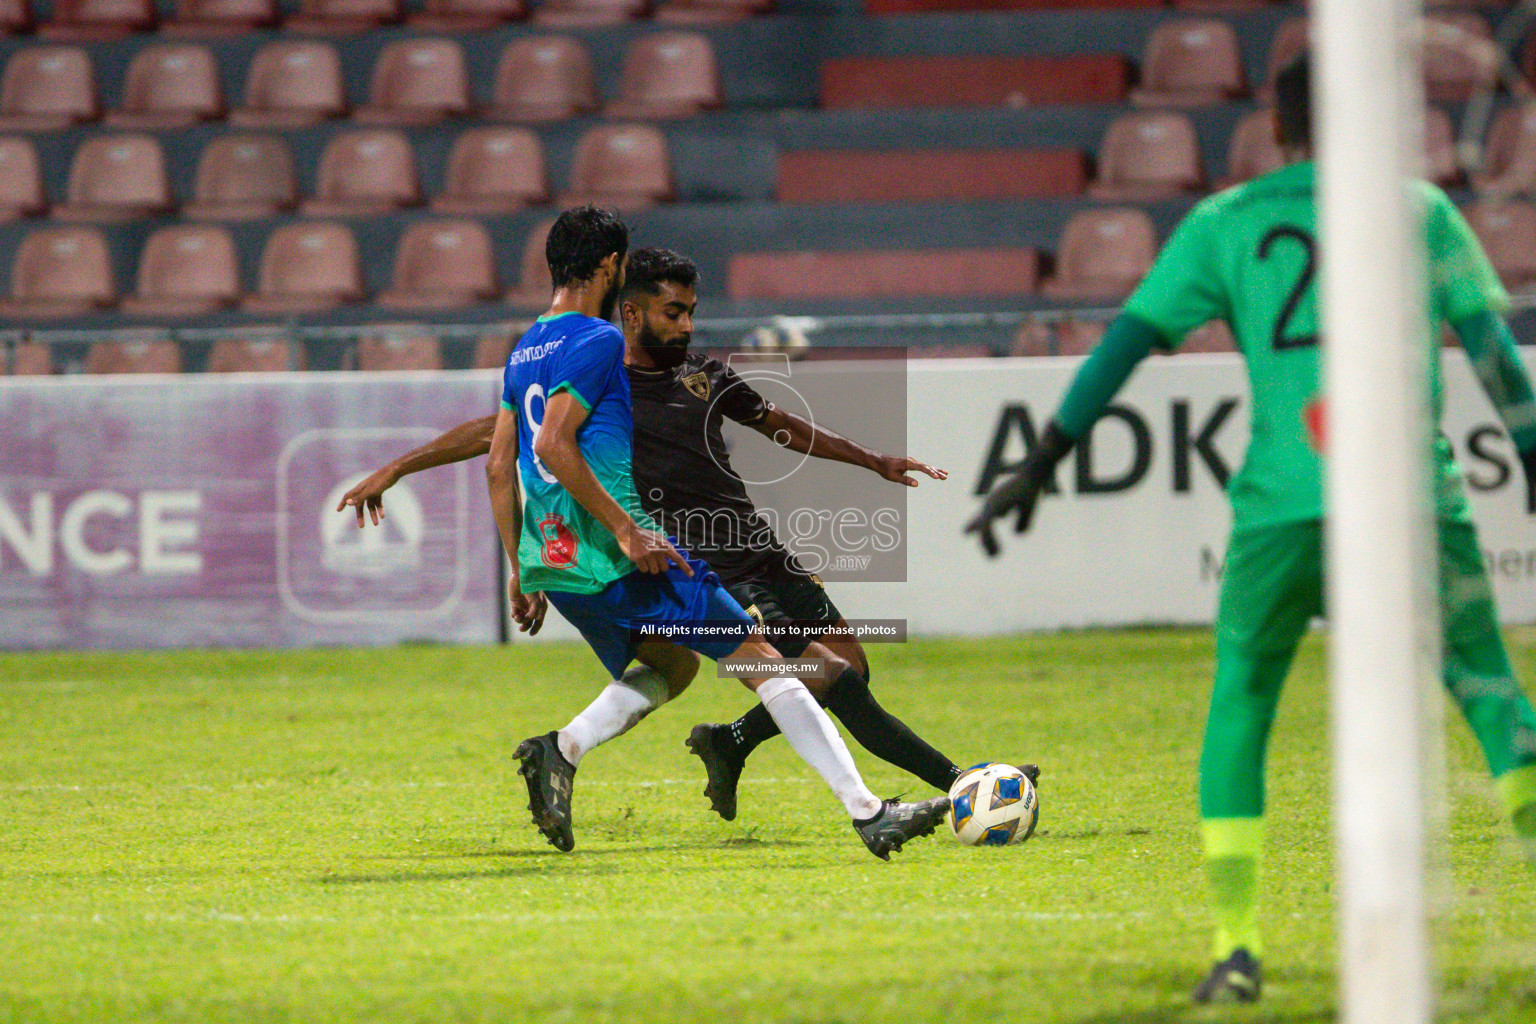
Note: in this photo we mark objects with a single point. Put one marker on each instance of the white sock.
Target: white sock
(811, 733)
(616, 710)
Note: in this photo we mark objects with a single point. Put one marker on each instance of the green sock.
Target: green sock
(1518, 789)
(1233, 849)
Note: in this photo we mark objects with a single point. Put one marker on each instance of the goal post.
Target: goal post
(1369, 119)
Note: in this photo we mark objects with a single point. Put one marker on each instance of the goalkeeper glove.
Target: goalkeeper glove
(1019, 492)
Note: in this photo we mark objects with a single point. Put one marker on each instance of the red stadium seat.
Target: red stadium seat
(1253, 149)
(21, 184)
(493, 349)
(1076, 337)
(626, 167)
(882, 273)
(668, 74)
(45, 88)
(919, 175)
(116, 178)
(1459, 57)
(543, 78)
(292, 85)
(160, 355)
(1509, 163)
(255, 355)
(1103, 254)
(15, 16)
(1508, 234)
(441, 265)
(399, 351)
(242, 177)
(170, 86)
(467, 15)
(220, 17)
(1289, 42)
(416, 82)
(493, 171)
(31, 359)
(60, 272)
(1215, 336)
(185, 270)
(307, 268)
(81, 20)
(1191, 62)
(1034, 337)
(588, 13)
(344, 15)
(1148, 155)
(365, 173)
(534, 287)
(710, 12)
(971, 81)
(1440, 161)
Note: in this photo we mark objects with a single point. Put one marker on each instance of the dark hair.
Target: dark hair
(1293, 102)
(580, 239)
(648, 268)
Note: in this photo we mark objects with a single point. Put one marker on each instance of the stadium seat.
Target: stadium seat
(442, 264)
(543, 78)
(170, 86)
(220, 17)
(1076, 337)
(534, 287)
(399, 351)
(1289, 42)
(918, 175)
(588, 13)
(467, 15)
(344, 15)
(254, 355)
(1508, 233)
(973, 81)
(493, 171)
(1034, 337)
(625, 167)
(31, 359)
(1253, 149)
(668, 74)
(1191, 62)
(185, 270)
(242, 177)
(292, 85)
(60, 272)
(1148, 155)
(1103, 254)
(416, 82)
(83, 20)
(15, 16)
(492, 349)
(1440, 161)
(1215, 336)
(45, 88)
(364, 173)
(1459, 58)
(21, 184)
(307, 268)
(710, 12)
(116, 178)
(882, 273)
(131, 355)
(1509, 160)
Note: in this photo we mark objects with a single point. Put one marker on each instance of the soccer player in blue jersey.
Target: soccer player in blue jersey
(564, 499)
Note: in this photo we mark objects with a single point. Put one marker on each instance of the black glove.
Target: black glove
(1019, 492)
(1528, 460)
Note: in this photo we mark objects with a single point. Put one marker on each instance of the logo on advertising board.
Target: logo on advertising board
(376, 552)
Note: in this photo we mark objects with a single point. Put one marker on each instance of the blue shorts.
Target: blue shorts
(693, 612)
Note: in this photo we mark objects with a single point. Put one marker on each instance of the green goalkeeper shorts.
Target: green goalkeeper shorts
(1272, 586)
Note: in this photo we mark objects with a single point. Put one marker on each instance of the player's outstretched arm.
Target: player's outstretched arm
(556, 447)
(799, 434)
(1495, 357)
(464, 441)
(501, 475)
(1127, 342)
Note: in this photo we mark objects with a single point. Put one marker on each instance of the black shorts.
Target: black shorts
(778, 592)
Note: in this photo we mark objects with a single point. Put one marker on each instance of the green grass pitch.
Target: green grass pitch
(337, 836)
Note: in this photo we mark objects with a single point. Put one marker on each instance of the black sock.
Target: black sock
(750, 729)
(884, 735)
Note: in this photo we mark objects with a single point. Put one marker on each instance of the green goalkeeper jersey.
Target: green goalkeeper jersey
(1248, 256)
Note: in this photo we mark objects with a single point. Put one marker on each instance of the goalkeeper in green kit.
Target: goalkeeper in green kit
(1248, 256)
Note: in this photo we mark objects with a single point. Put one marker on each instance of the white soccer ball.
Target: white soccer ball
(993, 805)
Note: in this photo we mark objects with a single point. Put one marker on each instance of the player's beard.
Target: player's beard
(667, 355)
(610, 301)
